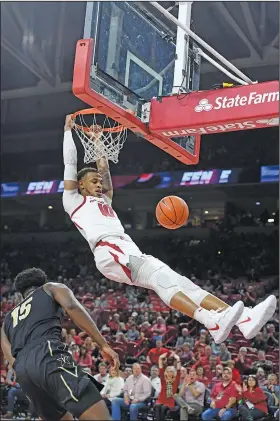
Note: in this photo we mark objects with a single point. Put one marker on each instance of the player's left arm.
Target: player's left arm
(6, 347)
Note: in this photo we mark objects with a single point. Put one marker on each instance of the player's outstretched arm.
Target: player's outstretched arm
(69, 156)
(65, 297)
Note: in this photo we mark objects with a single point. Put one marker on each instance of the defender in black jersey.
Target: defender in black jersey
(31, 342)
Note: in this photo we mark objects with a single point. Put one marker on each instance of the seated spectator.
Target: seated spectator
(127, 372)
(250, 297)
(271, 337)
(77, 338)
(155, 353)
(201, 342)
(159, 329)
(113, 387)
(184, 338)
(170, 379)
(201, 376)
(225, 355)
(263, 362)
(182, 375)
(15, 393)
(103, 375)
(137, 389)
(116, 325)
(132, 334)
(186, 354)
(120, 337)
(223, 399)
(155, 380)
(235, 373)
(218, 376)
(242, 362)
(261, 377)
(210, 370)
(259, 343)
(273, 387)
(205, 359)
(84, 358)
(254, 405)
(90, 345)
(191, 396)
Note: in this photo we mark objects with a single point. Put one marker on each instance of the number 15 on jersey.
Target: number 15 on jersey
(21, 311)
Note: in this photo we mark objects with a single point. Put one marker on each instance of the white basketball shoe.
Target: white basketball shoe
(219, 323)
(253, 319)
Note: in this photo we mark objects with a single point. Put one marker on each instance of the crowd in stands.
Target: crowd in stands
(169, 365)
(227, 150)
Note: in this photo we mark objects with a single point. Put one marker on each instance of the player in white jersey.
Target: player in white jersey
(87, 199)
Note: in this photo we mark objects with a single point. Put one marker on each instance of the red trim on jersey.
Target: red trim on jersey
(113, 246)
(124, 268)
(79, 207)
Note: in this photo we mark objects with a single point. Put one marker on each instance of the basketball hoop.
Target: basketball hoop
(108, 139)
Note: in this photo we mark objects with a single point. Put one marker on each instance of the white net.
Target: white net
(100, 141)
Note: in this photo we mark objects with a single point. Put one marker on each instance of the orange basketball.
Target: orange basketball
(172, 212)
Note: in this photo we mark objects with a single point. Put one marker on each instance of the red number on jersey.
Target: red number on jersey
(106, 210)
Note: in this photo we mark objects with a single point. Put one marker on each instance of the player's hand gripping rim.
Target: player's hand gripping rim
(111, 356)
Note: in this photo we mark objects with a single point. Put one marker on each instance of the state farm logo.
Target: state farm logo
(224, 102)
(203, 106)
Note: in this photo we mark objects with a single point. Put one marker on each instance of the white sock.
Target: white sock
(202, 316)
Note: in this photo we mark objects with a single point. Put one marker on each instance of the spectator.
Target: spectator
(271, 338)
(116, 325)
(262, 381)
(137, 389)
(127, 372)
(182, 375)
(223, 399)
(259, 343)
(273, 387)
(250, 297)
(84, 358)
(218, 376)
(103, 376)
(155, 353)
(210, 370)
(242, 362)
(132, 334)
(201, 376)
(155, 380)
(159, 329)
(170, 379)
(15, 393)
(263, 362)
(186, 354)
(235, 373)
(191, 396)
(255, 405)
(77, 338)
(184, 338)
(205, 359)
(113, 387)
(225, 355)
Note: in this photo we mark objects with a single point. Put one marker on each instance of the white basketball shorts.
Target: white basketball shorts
(112, 256)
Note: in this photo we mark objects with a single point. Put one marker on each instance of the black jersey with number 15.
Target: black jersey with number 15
(37, 316)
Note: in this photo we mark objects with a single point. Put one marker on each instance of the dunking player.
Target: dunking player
(87, 199)
(46, 372)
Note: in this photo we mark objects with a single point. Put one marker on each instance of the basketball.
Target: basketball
(172, 212)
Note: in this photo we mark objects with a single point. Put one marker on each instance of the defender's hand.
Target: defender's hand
(111, 356)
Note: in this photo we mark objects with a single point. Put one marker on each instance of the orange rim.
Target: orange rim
(88, 111)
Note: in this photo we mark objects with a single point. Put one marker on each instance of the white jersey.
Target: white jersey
(93, 216)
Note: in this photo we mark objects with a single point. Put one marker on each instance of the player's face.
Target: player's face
(91, 185)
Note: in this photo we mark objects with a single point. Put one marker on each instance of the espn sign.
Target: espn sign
(40, 187)
(216, 111)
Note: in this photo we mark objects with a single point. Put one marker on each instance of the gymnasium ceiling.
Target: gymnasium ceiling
(37, 52)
